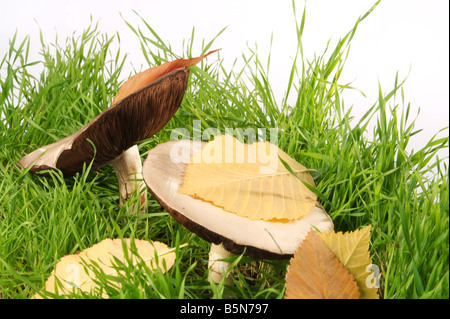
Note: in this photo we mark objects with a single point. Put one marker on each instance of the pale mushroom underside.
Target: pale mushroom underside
(163, 173)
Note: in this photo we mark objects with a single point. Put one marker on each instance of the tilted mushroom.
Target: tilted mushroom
(164, 171)
(141, 108)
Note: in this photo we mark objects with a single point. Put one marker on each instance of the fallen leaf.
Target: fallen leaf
(72, 272)
(249, 180)
(352, 250)
(315, 273)
(140, 80)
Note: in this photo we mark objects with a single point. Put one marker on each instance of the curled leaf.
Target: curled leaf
(141, 79)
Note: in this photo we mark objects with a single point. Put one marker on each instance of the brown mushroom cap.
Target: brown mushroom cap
(261, 239)
(142, 107)
(134, 118)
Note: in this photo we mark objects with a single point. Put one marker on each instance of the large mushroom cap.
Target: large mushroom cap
(163, 173)
(142, 107)
(134, 118)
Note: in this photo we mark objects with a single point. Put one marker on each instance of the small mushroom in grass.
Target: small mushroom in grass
(229, 233)
(141, 108)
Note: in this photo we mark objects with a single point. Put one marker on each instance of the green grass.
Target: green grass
(402, 194)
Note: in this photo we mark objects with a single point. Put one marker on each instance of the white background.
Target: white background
(404, 36)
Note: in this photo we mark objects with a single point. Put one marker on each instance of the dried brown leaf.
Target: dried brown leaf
(316, 273)
(140, 80)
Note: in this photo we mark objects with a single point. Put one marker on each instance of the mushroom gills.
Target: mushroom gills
(113, 134)
(141, 108)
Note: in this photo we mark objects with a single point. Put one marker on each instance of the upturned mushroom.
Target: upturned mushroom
(142, 107)
(229, 234)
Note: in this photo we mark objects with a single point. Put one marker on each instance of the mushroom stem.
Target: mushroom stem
(218, 268)
(128, 167)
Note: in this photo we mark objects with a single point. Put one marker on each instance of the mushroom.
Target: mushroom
(141, 108)
(228, 233)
